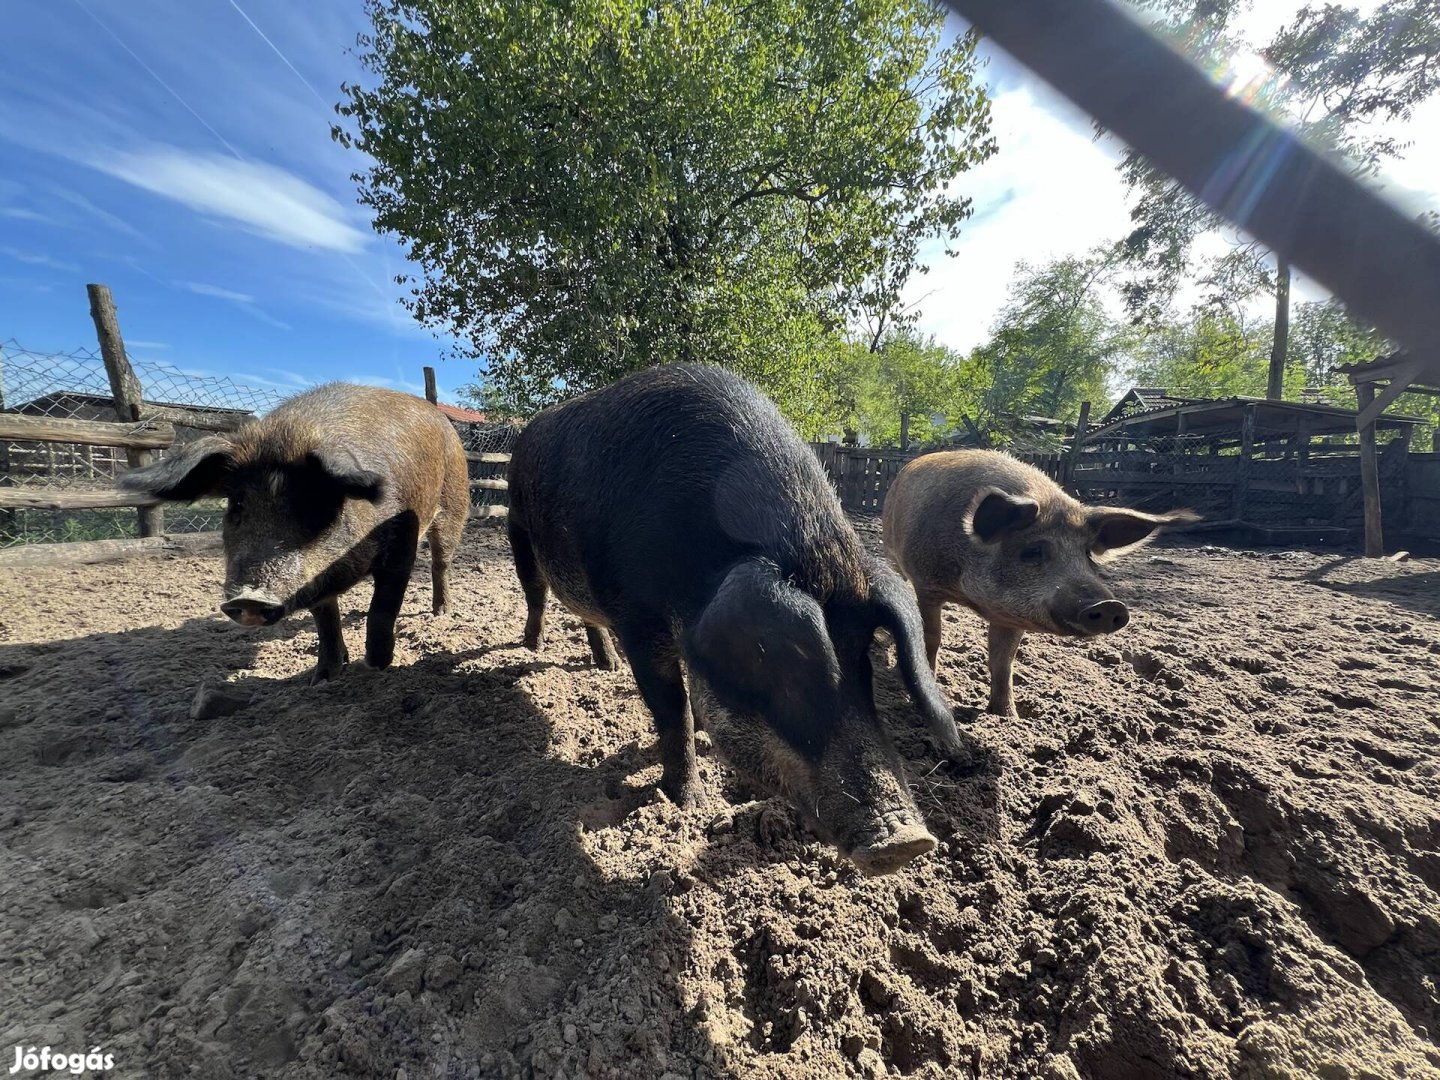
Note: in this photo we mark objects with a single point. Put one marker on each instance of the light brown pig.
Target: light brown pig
(337, 484)
(979, 528)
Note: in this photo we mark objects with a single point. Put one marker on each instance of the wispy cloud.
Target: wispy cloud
(18, 213)
(100, 214)
(262, 198)
(244, 301)
(202, 289)
(147, 344)
(34, 259)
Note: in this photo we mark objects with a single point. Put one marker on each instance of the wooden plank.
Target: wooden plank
(43, 498)
(1399, 382)
(199, 419)
(497, 484)
(489, 511)
(1158, 479)
(1081, 426)
(1242, 466)
(97, 551)
(125, 389)
(1370, 475)
(140, 436)
(491, 459)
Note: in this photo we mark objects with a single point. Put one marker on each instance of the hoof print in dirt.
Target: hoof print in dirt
(211, 702)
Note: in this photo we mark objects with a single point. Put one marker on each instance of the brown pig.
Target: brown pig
(979, 528)
(334, 485)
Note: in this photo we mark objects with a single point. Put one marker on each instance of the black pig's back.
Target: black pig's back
(653, 487)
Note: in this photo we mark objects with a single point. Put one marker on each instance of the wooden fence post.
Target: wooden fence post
(1370, 476)
(1242, 464)
(125, 388)
(1074, 455)
(430, 393)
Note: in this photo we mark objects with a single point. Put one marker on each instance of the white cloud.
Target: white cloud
(218, 293)
(244, 301)
(115, 222)
(34, 259)
(17, 213)
(262, 198)
(1051, 190)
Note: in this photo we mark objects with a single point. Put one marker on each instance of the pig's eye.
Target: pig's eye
(232, 512)
(1032, 553)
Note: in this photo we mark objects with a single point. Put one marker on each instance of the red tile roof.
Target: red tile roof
(465, 416)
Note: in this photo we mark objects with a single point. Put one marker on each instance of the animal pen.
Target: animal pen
(1259, 470)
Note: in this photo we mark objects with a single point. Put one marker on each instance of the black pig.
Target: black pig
(678, 508)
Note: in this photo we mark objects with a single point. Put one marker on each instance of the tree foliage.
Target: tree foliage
(1052, 347)
(594, 186)
(1339, 74)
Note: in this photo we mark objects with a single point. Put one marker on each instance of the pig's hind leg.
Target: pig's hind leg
(1004, 643)
(602, 650)
(656, 666)
(527, 569)
(444, 538)
(333, 654)
(930, 607)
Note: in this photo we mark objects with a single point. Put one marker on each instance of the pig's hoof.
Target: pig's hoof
(684, 792)
(326, 672)
(774, 825)
(886, 856)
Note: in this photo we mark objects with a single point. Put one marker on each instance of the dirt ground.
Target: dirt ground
(1211, 848)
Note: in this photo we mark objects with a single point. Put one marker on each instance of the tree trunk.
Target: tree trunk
(1275, 387)
(904, 431)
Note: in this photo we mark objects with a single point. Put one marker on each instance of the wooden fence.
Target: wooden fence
(33, 466)
(1319, 494)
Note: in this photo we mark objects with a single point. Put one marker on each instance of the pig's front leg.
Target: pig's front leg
(657, 674)
(390, 588)
(333, 654)
(1004, 643)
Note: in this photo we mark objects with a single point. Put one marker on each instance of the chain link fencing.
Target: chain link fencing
(74, 386)
(497, 438)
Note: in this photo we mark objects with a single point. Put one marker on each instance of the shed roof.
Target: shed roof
(1226, 415)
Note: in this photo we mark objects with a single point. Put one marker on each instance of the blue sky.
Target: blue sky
(179, 151)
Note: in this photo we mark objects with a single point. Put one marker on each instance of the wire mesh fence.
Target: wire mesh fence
(74, 386)
(494, 440)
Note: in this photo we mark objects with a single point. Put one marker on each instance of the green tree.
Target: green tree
(594, 186)
(1053, 346)
(1340, 75)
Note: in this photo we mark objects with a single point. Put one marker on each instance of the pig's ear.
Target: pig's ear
(993, 512)
(1116, 531)
(356, 482)
(764, 645)
(188, 472)
(895, 603)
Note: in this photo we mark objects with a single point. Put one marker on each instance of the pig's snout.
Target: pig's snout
(1104, 617)
(888, 853)
(252, 607)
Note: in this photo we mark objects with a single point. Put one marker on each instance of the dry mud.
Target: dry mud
(1211, 848)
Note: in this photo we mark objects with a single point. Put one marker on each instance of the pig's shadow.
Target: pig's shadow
(304, 847)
